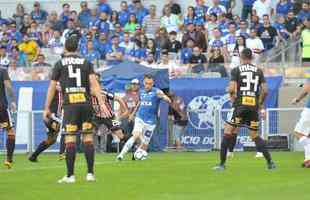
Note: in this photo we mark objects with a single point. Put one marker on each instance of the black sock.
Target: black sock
(62, 147)
(226, 142)
(233, 142)
(89, 152)
(70, 157)
(10, 146)
(261, 147)
(42, 146)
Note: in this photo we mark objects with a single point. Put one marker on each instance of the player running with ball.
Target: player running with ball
(146, 116)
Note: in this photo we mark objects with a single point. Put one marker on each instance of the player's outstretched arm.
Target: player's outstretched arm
(164, 97)
(9, 89)
(96, 90)
(263, 95)
(50, 95)
(303, 94)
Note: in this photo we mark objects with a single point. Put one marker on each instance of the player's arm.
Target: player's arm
(232, 85)
(263, 95)
(10, 92)
(304, 92)
(49, 98)
(131, 116)
(96, 91)
(164, 97)
(123, 106)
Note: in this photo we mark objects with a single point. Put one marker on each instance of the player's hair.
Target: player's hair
(246, 54)
(72, 43)
(148, 76)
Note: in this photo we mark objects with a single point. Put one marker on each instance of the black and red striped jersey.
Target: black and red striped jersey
(109, 98)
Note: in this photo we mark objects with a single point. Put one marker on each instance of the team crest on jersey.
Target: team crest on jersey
(202, 110)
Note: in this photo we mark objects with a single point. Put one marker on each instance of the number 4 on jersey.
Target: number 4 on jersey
(76, 75)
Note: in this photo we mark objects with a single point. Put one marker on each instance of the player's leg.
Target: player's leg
(53, 128)
(301, 131)
(136, 134)
(7, 124)
(233, 143)
(62, 147)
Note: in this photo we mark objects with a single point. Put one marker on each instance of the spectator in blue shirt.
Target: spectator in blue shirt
(101, 44)
(186, 53)
(102, 23)
(190, 17)
(65, 15)
(85, 14)
(14, 34)
(103, 6)
(247, 9)
(123, 15)
(243, 29)
(92, 55)
(138, 53)
(118, 31)
(93, 18)
(216, 8)
(228, 4)
(139, 10)
(200, 10)
(38, 14)
(283, 6)
(304, 13)
(115, 53)
(281, 28)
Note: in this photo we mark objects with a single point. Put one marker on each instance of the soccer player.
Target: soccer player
(77, 80)
(302, 128)
(53, 127)
(5, 117)
(111, 123)
(146, 116)
(248, 89)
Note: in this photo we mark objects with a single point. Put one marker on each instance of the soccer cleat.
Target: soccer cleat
(230, 154)
(8, 164)
(306, 164)
(259, 155)
(62, 157)
(119, 158)
(271, 165)
(219, 168)
(33, 159)
(90, 177)
(67, 179)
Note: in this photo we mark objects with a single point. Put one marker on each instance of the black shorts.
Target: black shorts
(110, 123)
(5, 119)
(77, 118)
(244, 117)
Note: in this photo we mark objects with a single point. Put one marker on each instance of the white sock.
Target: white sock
(127, 146)
(307, 151)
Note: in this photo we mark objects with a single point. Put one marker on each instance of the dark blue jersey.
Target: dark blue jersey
(4, 76)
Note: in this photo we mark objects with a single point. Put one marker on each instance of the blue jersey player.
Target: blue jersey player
(146, 116)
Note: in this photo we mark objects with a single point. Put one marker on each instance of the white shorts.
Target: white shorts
(144, 128)
(303, 125)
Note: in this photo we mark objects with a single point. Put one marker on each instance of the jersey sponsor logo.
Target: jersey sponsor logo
(72, 61)
(77, 98)
(248, 101)
(71, 128)
(87, 126)
(202, 110)
(146, 103)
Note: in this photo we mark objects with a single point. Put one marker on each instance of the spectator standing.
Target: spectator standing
(279, 25)
(65, 15)
(268, 34)
(262, 8)
(18, 16)
(103, 6)
(41, 62)
(123, 15)
(170, 21)
(26, 24)
(216, 8)
(197, 36)
(39, 15)
(102, 23)
(85, 14)
(177, 111)
(151, 22)
(305, 37)
(140, 11)
(255, 44)
(292, 23)
(283, 7)
(70, 28)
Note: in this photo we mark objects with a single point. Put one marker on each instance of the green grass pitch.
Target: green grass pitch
(164, 176)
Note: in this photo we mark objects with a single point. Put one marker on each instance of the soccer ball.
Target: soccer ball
(140, 154)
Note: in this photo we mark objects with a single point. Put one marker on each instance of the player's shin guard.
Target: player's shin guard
(233, 143)
(226, 143)
(89, 152)
(127, 146)
(261, 146)
(70, 157)
(10, 146)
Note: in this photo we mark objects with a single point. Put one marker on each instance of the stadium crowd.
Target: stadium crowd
(202, 38)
